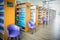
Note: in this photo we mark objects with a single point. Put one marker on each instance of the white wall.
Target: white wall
(52, 14)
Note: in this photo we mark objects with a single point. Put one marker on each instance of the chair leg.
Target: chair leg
(32, 31)
(9, 38)
(35, 29)
(17, 38)
(14, 38)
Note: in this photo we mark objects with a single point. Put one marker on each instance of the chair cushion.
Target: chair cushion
(14, 34)
(12, 30)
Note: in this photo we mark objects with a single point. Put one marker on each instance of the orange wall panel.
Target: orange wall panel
(9, 16)
(27, 16)
(36, 16)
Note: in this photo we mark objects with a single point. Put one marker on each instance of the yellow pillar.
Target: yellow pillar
(27, 17)
(36, 15)
(9, 16)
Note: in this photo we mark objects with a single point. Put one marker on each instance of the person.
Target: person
(44, 20)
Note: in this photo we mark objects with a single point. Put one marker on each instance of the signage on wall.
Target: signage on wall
(10, 4)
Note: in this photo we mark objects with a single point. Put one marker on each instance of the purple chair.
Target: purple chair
(31, 26)
(12, 31)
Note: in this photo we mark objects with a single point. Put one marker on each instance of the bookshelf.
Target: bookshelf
(41, 13)
(1, 16)
(34, 14)
(22, 15)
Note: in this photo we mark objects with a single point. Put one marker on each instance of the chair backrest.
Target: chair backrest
(31, 24)
(12, 30)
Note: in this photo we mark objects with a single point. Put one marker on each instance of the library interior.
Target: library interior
(29, 19)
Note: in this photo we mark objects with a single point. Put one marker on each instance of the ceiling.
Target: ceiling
(53, 4)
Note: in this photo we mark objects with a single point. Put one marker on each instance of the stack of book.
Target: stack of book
(1, 15)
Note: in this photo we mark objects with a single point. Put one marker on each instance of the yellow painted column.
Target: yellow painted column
(27, 16)
(36, 15)
(9, 16)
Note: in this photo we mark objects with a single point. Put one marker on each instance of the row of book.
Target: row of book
(20, 16)
(1, 15)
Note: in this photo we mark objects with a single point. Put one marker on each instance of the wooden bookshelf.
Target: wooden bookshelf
(23, 11)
